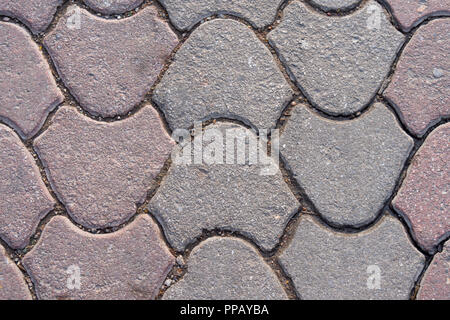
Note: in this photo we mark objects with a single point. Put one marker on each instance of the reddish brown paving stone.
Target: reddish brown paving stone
(424, 196)
(420, 87)
(12, 284)
(24, 199)
(131, 263)
(101, 170)
(28, 90)
(109, 65)
(113, 6)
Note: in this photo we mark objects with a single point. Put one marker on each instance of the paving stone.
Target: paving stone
(223, 70)
(36, 14)
(420, 87)
(68, 263)
(333, 5)
(347, 168)
(228, 196)
(29, 91)
(339, 62)
(25, 200)
(435, 284)
(379, 263)
(184, 14)
(101, 170)
(226, 269)
(113, 6)
(410, 13)
(424, 196)
(109, 65)
(12, 284)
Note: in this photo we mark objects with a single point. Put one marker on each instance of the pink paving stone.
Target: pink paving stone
(12, 284)
(424, 196)
(68, 263)
(28, 91)
(109, 65)
(420, 87)
(113, 6)
(24, 199)
(101, 170)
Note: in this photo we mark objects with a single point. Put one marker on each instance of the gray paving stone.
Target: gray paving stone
(226, 269)
(113, 6)
(339, 62)
(12, 284)
(333, 5)
(347, 168)
(223, 70)
(379, 263)
(68, 263)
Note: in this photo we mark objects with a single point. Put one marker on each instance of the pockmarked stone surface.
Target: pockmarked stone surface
(347, 168)
(25, 200)
(68, 263)
(28, 90)
(424, 196)
(12, 284)
(100, 170)
(36, 14)
(226, 269)
(184, 14)
(420, 87)
(222, 192)
(338, 62)
(223, 70)
(379, 263)
(329, 5)
(109, 65)
(410, 13)
(113, 6)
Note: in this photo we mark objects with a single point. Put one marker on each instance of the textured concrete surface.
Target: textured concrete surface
(113, 6)
(334, 5)
(12, 283)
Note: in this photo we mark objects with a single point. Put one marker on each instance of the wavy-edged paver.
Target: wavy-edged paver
(68, 263)
(223, 70)
(420, 87)
(424, 197)
(334, 5)
(226, 269)
(24, 198)
(113, 6)
(184, 14)
(12, 284)
(379, 263)
(28, 90)
(347, 168)
(109, 65)
(101, 170)
(339, 62)
(233, 196)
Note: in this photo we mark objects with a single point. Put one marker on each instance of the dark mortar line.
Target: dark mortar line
(285, 280)
(335, 12)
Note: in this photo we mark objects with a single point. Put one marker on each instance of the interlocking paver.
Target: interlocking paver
(113, 6)
(184, 14)
(28, 90)
(223, 70)
(420, 87)
(226, 269)
(339, 62)
(379, 263)
(424, 196)
(109, 65)
(333, 5)
(100, 170)
(68, 263)
(347, 168)
(25, 200)
(235, 197)
(12, 284)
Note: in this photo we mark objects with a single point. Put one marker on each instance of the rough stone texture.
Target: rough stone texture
(339, 62)
(327, 265)
(223, 70)
(100, 170)
(333, 5)
(435, 284)
(420, 87)
(424, 196)
(28, 90)
(129, 264)
(109, 65)
(237, 197)
(24, 199)
(184, 14)
(36, 14)
(347, 168)
(226, 269)
(410, 13)
(113, 6)
(12, 284)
